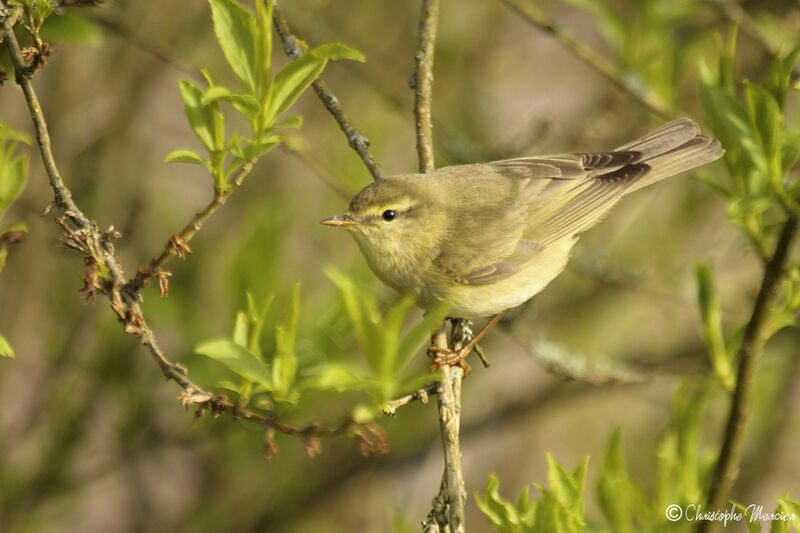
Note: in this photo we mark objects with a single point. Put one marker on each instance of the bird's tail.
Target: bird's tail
(673, 148)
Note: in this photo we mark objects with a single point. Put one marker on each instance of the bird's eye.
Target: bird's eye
(389, 215)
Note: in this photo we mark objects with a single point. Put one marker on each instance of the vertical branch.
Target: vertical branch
(423, 83)
(447, 513)
(755, 335)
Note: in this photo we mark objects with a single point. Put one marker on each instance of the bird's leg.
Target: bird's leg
(443, 356)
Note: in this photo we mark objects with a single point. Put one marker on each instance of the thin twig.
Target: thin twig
(423, 395)
(177, 244)
(109, 279)
(359, 143)
(423, 83)
(755, 335)
(537, 18)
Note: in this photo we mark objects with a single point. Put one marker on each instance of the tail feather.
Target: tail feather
(670, 135)
(671, 149)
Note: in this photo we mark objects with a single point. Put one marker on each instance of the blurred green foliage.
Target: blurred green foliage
(13, 175)
(559, 509)
(653, 41)
(96, 442)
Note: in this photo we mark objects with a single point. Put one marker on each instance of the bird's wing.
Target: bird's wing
(552, 195)
(560, 196)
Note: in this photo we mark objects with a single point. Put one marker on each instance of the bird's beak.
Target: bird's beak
(343, 221)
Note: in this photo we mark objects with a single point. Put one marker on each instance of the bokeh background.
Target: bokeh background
(93, 439)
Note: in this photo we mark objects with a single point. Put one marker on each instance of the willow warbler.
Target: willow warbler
(489, 236)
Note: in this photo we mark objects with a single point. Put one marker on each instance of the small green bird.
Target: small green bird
(489, 236)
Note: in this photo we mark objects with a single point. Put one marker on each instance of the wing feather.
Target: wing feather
(557, 197)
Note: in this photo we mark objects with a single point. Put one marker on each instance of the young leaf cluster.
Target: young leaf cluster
(13, 174)
(762, 148)
(246, 42)
(560, 507)
(386, 349)
(269, 381)
(277, 379)
(626, 506)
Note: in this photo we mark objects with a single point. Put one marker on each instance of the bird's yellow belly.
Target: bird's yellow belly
(473, 301)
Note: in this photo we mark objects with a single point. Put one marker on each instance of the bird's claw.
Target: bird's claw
(446, 357)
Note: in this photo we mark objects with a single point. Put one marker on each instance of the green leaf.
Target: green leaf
(362, 313)
(5, 348)
(336, 51)
(391, 328)
(289, 122)
(683, 479)
(240, 328)
(567, 488)
(745, 206)
(767, 119)
(290, 83)
(781, 76)
(182, 155)
(13, 176)
(791, 508)
(620, 498)
(257, 317)
(68, 27)
(753, 526)
(420, 333)
(779, 526)
(613, 487)
(235, 28)
(215, 93)
(284, 364)
(239, 359)
(340, 377)
(242, 102)
(258, 149)
(11, 134)
(501, 513)
(712, 326)
(264, 49)
(202, 119)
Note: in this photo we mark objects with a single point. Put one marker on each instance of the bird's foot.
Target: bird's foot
(447, 357)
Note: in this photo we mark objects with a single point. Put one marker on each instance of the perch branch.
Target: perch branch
(359, 143)
(755, 335)
(105, 275)
(598, 63)
(447, 512)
